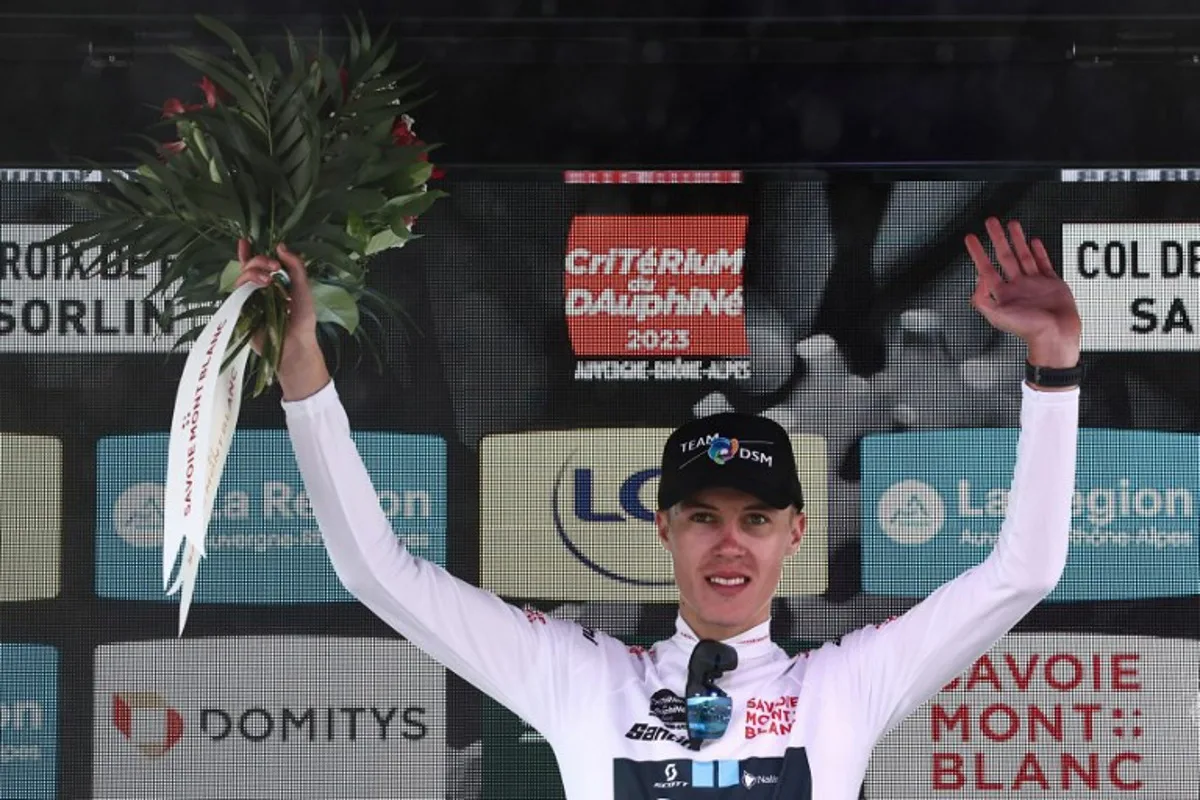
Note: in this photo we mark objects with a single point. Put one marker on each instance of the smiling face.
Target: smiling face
(728, 549)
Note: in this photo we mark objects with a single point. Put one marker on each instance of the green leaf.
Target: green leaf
(222, 124)
(99, 201)
(187, 259)
(230, 38)
(355, 44)
(136, 192)
(164, 175)
(333, 82)
(84, 230)
(195, 312)
(208, 199)
(295, 164)
(385, 240)
(336, 236)
(338, 205)
(294, 53)
(381, 62)
(356, 229)
(289, 95)
(414, 204)
(256, 220)
(269, 72)
(229, 275)
(185, 338)
(295, 216)
(248, 99)
(291, 135)
(321, 255)
(156, 234)
(335, 305)
(275, 324)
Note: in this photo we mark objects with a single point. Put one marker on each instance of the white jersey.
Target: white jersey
(803, 727)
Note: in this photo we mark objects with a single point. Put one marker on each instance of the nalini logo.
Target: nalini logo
(911, 512)
(722, 449)
(145, 719)
(138, 515)
(750, 781)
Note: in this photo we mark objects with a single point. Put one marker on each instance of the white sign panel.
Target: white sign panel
(1137, 285)
(48, 306)
(268, 717)
(1053, 715)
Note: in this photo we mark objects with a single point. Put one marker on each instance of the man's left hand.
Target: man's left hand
(1024, 296)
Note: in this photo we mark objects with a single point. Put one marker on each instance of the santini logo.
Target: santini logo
(911, 512)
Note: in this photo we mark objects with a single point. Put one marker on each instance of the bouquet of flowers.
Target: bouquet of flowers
(320, 154)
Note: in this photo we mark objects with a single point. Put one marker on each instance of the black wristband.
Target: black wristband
(1052, 377)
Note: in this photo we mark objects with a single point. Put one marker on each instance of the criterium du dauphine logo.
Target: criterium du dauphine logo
(722, 449)
(138, 515)
(911, 512)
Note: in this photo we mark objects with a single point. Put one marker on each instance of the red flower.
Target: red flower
(402, 133)
(175, 106)
(403, 136)
(437, 172)
(211, 92)
(344, 76)
(174, 148)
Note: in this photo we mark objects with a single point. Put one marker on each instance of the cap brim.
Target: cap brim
(776, 497)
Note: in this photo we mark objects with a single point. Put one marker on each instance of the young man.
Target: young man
(630, 724)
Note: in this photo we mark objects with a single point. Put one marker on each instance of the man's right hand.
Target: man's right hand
(302, 369)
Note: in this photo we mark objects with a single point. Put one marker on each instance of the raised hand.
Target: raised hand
(1024, 296)
(302, 369)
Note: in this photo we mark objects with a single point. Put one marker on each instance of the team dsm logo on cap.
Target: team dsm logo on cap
(723, 449)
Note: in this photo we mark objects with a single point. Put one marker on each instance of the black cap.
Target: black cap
(730, 450)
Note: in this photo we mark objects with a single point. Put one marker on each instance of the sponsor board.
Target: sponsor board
(656, 297)
(1131, 175)
(933, 504)
(47, 305)
(569, 515)
(1137, 285)
(264, 544)
(1053, 715)
(268, 717)
(30, 516)
(656, 176)
(51, 175)
(28, 721)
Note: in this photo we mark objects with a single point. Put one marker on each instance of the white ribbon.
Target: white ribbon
(205, 416)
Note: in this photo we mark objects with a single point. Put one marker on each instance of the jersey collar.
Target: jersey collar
(753, 643)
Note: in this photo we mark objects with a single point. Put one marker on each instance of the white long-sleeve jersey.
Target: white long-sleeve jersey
(803, 727)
